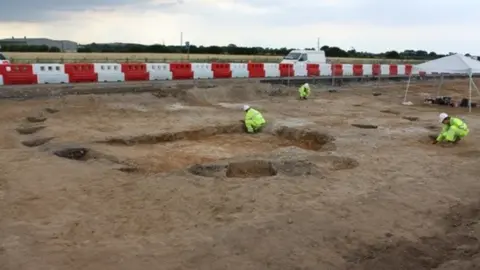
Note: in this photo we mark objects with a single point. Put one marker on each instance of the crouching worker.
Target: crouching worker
(254, 121)
(454, 129)
(304, 91)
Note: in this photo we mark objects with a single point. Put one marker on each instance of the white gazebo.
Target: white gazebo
(454, 64)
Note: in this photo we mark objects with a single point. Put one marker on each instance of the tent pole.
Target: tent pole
(476, 88)
(406, 90)
(470, 81)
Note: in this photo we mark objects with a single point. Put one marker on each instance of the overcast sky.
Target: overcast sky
(371, 25)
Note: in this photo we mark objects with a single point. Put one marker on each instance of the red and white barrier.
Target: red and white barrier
(50, 73)
(11, 74)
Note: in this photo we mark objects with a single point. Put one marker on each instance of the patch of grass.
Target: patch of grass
(29, 57)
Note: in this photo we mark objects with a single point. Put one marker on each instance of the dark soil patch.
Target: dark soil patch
(344, 163)
(29, 130)
(250, 169)
(457, 248)
(432, 127)
(36, 119)
(208, 170)
(74, 153)
(365, 126)
(82, 154)
(51, 110)
(296, 168)
(411, 118)
(36, 141)
(390, 112)
(256, 168)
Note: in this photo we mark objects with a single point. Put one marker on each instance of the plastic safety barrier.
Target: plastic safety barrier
(376, 70)
(159, 72)
(221, 70)
(347, 70)
(240, 70)
(300, 70)
(408, 69)
(384, 70)
(337, 70)
(202, 71)
(256, 70)
(50, 73)
(357, 70)
(400, 70)
(393, 71)
(325, 70)
(135, 71)
(18, 74)
(181, 71)
(313, 70)
(287, 70)
(271, 70)
(81, 73)
(109, 72)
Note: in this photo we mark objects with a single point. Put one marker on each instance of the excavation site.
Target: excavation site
(170, 179)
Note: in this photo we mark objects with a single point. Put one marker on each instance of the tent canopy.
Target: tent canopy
(455, 63)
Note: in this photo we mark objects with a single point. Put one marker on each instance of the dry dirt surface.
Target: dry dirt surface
(169, 180)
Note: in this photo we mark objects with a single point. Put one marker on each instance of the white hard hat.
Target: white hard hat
(442, 117)
(307, 85)
(246, 107)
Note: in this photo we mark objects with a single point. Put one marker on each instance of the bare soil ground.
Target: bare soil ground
(168, 180)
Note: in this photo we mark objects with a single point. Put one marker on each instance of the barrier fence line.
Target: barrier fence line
(28, 74)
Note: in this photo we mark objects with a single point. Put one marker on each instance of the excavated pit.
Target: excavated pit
(365, 126)
(172, 151)
(256, 168)
(390, 112)
(36, 141)
(250, 169)
(27, 130)
(84, 154)
(411, 118)
(36, 119)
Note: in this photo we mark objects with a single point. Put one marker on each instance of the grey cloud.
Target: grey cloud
(46, 10)
(387, 13)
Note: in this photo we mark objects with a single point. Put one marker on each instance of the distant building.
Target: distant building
(63, 45)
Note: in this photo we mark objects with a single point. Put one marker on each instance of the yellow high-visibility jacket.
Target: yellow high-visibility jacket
(304, 91)
(253, 120)
(456, 128)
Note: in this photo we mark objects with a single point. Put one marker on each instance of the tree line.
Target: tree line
(231, 49)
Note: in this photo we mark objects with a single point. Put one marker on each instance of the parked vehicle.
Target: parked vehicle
(305, 56)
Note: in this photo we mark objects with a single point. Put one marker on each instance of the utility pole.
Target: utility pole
(318, 44)
(181, 39)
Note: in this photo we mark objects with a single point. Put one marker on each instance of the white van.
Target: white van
(305, 56)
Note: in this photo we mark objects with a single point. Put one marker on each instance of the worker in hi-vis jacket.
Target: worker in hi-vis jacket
(454, 129)
(254, 121)
(304, 91)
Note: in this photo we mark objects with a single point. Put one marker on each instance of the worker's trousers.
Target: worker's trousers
(454, 134)
(303, 95)
(256, 128)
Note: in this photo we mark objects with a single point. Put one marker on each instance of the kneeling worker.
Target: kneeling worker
(304, 91)
(254, 121)
(454, 129)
